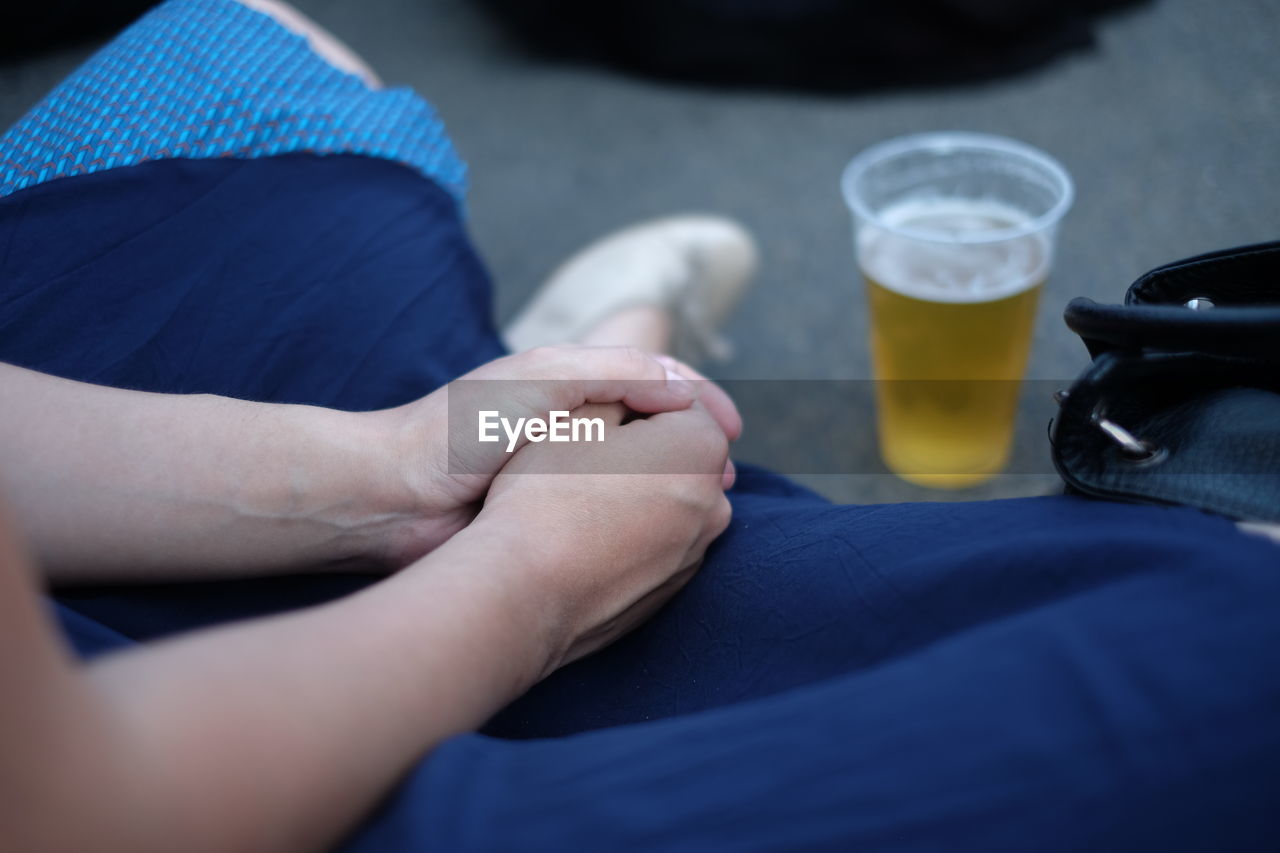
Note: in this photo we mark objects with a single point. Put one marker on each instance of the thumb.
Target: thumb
(566, 377)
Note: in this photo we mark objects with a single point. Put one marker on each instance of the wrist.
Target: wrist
(501, 566)
(437, 505)
(340, 478)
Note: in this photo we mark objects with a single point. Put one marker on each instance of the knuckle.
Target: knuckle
(706, 438)
(545, 356)
(638, 363)
(530, 364)
(721, 515)
(694, 440)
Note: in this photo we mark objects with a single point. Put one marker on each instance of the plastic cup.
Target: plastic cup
(954, 237)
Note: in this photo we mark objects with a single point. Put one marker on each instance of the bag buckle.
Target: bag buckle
(1132, 448)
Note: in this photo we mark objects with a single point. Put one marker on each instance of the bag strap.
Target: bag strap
(1225, 303)
(1246, 276)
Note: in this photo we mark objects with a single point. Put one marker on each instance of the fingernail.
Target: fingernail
(680, 386)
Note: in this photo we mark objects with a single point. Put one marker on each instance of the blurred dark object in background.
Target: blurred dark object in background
(832, 45)
(36, 25)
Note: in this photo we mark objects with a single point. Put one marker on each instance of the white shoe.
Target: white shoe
(696, 267)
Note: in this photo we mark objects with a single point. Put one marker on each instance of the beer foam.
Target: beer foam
(908, 251)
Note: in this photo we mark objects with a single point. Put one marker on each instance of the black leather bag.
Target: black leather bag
(1182, 402)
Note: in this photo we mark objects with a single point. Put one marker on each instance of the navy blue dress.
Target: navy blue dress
(1049, 673)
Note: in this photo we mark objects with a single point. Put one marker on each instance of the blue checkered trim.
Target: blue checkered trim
(213, 78)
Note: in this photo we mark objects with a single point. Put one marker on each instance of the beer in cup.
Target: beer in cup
(954, 237)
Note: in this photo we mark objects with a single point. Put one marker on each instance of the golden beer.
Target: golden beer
(951, 326)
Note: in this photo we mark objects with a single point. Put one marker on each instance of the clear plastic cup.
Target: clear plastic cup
(954, 236)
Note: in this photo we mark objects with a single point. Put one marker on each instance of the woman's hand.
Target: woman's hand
(594, 552)
(446, 473)
(114, 485)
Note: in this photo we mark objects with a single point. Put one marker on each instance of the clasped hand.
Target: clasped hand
(594, 549)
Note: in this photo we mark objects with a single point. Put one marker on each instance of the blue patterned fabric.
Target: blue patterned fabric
(213, 78)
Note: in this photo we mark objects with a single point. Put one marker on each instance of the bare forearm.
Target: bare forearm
(279, 735)
(113, 484)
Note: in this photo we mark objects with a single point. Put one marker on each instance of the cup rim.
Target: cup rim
(944, 141)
